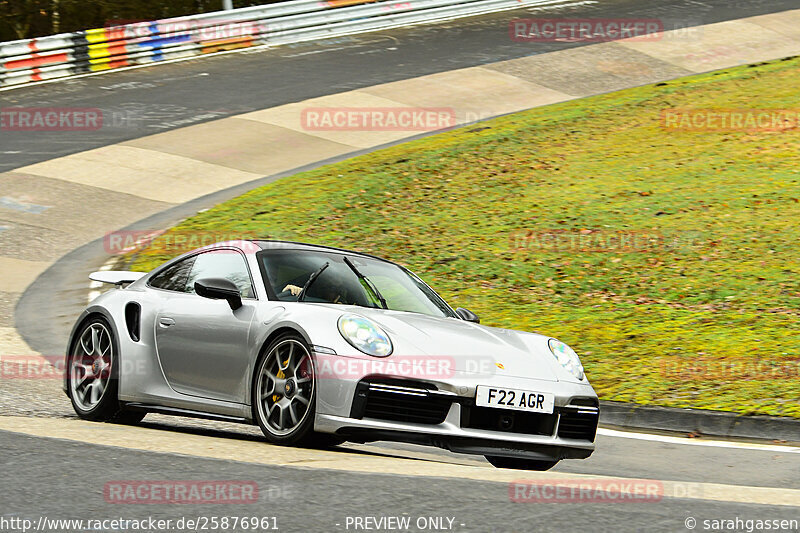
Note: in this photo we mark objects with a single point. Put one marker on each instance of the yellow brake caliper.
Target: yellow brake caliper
(279, 375)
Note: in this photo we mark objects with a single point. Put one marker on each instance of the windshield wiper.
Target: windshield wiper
(311, 280)
(366, 280)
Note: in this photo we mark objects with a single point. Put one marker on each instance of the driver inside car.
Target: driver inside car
(330, 290)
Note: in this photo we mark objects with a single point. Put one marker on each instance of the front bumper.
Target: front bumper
(421, 413)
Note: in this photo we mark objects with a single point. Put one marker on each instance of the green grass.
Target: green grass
(720, 289)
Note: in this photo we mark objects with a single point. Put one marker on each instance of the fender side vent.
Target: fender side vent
(133, 313)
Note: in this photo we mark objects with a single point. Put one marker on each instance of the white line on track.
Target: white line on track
(312, 52)
(698, 442)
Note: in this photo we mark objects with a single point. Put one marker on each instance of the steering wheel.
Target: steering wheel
(284, 294)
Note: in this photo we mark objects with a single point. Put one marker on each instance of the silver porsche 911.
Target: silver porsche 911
(318, 346)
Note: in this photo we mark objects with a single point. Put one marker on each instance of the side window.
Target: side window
(174, 278)
(227, 264)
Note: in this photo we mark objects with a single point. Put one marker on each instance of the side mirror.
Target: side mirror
(219, 289)
(467, 315)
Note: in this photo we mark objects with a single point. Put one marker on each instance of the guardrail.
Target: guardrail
(141, 43)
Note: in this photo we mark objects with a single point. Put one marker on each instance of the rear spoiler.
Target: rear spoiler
(116, 277)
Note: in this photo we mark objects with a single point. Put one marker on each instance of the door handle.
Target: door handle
(165, 322)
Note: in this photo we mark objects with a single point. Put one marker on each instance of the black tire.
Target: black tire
(520, 464)
(95, 333)
(300, 384)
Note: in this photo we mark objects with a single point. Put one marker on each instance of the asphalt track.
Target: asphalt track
(151, 100)
(310, 491)
(306, 500)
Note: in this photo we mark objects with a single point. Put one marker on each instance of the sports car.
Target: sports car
(317, 346)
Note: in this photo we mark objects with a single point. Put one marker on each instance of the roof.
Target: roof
(290, 245)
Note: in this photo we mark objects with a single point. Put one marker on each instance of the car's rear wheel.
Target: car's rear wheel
(284, 393)
(520, 464)
(93, 374)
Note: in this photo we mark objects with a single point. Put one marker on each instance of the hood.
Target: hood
(474, 349)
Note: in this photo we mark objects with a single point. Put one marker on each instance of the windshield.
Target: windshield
(286, 272)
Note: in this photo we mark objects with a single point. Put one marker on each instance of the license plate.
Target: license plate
(521, 400)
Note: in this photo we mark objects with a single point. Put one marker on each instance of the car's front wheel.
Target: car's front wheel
(93, 374)
(520, 464)
(284, 392)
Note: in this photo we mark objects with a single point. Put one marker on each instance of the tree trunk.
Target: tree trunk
(21, 29)
(55, 17)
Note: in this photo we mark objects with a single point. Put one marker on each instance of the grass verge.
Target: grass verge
(668, 258)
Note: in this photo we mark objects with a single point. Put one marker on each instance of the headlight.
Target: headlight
(566, 357)
(365, 335)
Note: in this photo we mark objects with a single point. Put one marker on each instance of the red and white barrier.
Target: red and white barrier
(139, 43)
